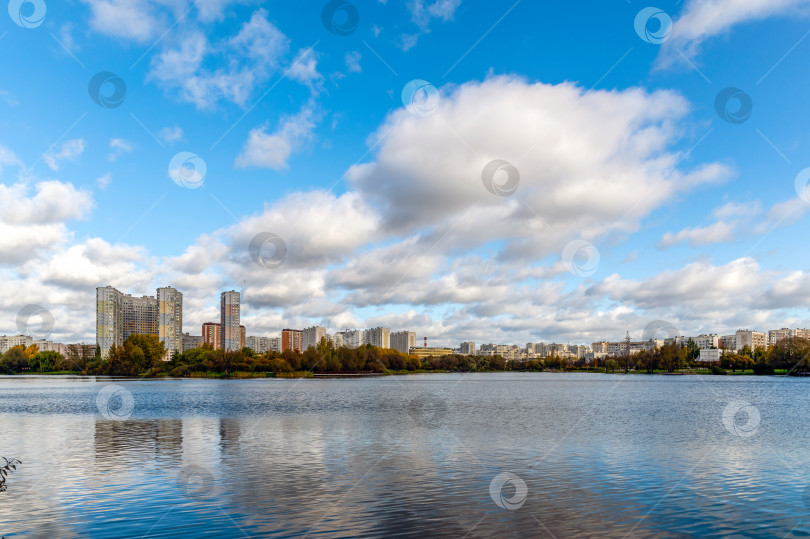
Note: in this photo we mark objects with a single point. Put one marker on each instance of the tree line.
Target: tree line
(143, 355)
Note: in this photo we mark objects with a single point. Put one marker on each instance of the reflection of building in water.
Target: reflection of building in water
(229, 431)
(127, 442)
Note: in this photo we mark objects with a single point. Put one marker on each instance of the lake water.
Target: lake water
(479, 455)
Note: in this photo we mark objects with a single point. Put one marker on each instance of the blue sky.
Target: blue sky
(304, 134)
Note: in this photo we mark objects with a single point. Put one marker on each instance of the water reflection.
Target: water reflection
(365, 458)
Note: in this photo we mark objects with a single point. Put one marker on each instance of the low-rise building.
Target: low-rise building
(710, 355)
(422, 352)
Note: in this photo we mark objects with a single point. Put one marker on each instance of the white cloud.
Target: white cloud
(579, 155)
(704, 19)
(702, 235)
(119, 147)
(249, 57)
(104, 181)
(423, 12)
(353, 62)
(171, 134)
(134, 20)
(304, 69)
(69, 151)
(273, 150)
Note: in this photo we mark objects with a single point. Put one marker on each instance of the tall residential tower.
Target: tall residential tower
(230, 334)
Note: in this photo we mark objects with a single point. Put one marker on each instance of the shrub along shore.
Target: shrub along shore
(142, 355)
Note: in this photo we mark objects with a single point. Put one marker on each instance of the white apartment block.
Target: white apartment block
(777, 335)
(727, 342)
(274, 344)
(379, 337)
(260, 345)
(467, 348)
(403, 341)
(312, 336)
(336, 339)
(705, 342)
(119, 315)
(7, 342)
(352, 338)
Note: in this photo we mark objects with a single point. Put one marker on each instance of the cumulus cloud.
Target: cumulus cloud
(423, 13)
(579, 154)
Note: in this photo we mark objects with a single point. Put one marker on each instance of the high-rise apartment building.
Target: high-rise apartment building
(109, 318)
(403, 341)
(312, 336)
(210, 334)
(170, 319)
(242, 337)
(230, 332)
(352, 338)
(468, 348)
(292, 339)
(275, 344)
(119, 315)
(379, 337)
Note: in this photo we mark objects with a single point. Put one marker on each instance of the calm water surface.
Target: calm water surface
(418, 456)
